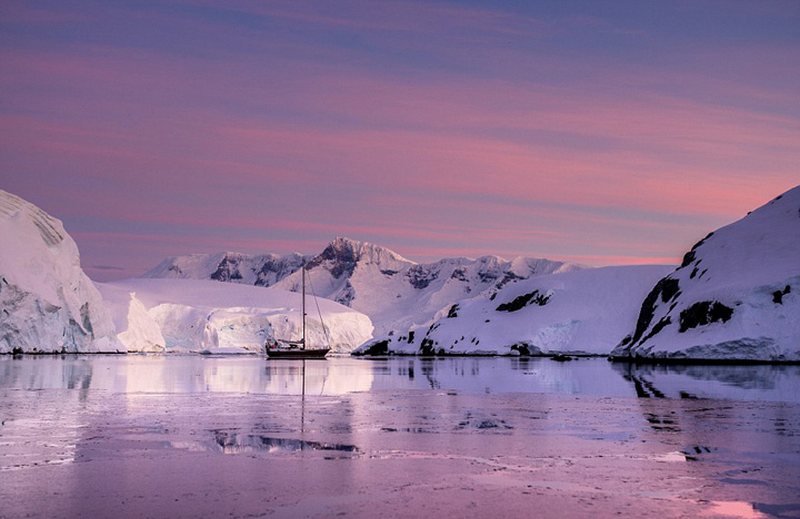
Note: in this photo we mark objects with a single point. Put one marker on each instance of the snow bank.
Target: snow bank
(196, 316)
(48, 303)
(587, 311)
(736, 295)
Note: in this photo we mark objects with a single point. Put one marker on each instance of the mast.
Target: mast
(304, 307)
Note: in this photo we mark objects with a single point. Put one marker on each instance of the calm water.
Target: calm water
(189, 436)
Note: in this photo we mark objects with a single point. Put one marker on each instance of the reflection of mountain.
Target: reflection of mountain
(45, 410)
(644, 388)
(36, 373)
(708, 415)
(754, 382)
(498, 375)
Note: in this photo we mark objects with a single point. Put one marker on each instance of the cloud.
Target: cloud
(425, 126)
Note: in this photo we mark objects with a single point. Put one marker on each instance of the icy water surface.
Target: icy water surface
(192, 436)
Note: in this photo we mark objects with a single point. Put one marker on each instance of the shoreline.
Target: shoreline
(561, 357)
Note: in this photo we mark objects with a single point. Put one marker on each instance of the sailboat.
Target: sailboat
(284, 349)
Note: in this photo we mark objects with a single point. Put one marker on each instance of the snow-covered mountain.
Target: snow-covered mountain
(586, 311)
(261, 270)
(185, 315)
(392, 290)
(47, 303)
(736, 296)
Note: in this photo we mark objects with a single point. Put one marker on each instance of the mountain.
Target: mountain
(586, 311)
(185, 315)
(48, 303)
(736, 295)
(261, 270)
(392, 290)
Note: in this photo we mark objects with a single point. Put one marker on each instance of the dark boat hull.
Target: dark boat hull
(298, 353)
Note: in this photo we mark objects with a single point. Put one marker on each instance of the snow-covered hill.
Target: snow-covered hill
(191, 315)
(586, 311)
(47, 304)
(736, 295)
(393, 291)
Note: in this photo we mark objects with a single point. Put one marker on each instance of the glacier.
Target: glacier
(48, 303)
(185, 315)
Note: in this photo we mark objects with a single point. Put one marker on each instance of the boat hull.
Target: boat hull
(298, 353)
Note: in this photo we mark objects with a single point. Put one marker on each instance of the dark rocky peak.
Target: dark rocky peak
(339, 257)
(343, 250)
(420, 276)
(228, 267)
(343, 254)
(274, 268)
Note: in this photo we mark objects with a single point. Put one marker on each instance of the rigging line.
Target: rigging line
(319, 312)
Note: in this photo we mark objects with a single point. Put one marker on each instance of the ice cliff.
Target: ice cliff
(47, 303)
(184, 315)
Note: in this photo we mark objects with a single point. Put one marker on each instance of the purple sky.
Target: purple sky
(598, 132)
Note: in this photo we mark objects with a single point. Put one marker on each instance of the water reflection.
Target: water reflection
(149, 426)
(756, 382)
(232, 442)
(136, 374)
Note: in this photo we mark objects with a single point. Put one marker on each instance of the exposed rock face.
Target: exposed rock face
(734, 297)
(47, 303)
(392, 290)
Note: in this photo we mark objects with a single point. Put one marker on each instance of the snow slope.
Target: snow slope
(192, 315)
(392, 290)
(736, 295)
(587, 311)
(48, 303)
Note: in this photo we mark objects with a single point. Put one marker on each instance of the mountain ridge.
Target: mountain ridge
(394, 291)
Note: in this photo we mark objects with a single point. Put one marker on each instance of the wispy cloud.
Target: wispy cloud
(431, 127)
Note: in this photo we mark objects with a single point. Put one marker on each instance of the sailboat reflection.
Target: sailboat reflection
(234, 442)
(230, 442)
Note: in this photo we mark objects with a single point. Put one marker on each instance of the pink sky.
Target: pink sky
(601, 134)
